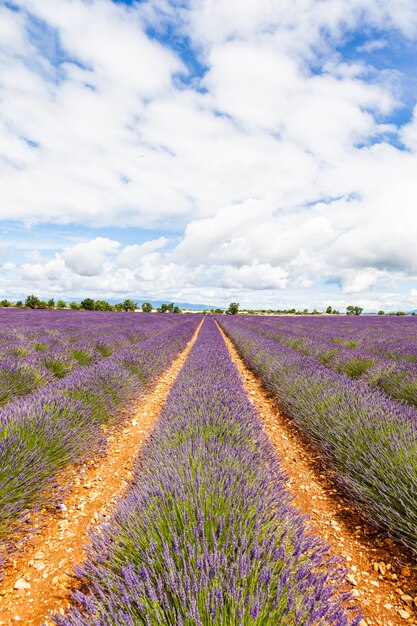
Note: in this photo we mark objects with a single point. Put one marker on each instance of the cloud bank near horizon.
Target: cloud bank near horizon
(267, 154)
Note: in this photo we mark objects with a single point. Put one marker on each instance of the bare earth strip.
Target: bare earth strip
(44, 569)
(382, 574)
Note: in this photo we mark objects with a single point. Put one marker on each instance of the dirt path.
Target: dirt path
(37, 581)
(382, 574)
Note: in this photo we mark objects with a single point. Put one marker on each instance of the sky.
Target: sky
(259, 151)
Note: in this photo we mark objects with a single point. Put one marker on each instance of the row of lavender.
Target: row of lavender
(368, 439)
(37, 348)
(392, 337)
(61, 423)
(382, 352)
(206, 535)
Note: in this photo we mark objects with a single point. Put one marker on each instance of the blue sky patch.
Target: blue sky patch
(50, 238)
(386, 51)
(46, 41)
(170, 36)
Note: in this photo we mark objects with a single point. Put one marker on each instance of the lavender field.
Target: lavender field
(207, 535)
(63, 377)
(206, 532)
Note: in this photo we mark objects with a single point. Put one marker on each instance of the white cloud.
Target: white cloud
(223, 237)
(373, 45)
(88, 259)
(155, 274)
(88, 167)
(409, 133)
(131, 256)
(215, 21)
(253, 277)
(267, 164)
(362, 280)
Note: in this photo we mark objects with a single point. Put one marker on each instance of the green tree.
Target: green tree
(87, 304)
(102, 305)
(233, 308)
(129, 305)
(381, 312)
(51, 303)
(5, 303)
(169, 308)
(74, 306)
(329, 310)
(19, 304)
(147, 307)
(353, 310)
(61, 304)
(32, 302)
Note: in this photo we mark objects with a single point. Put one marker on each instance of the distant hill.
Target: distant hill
(157, 303)
(183, 305)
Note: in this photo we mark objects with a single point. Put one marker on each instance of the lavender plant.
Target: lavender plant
(38, 347)
(61, 423)
(369, 439)
(380, 352)
(207, 535)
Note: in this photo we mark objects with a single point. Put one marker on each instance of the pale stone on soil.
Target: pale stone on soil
(407, 599)
(21, 583)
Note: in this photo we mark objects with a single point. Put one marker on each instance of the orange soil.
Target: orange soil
(47, 559)
(382, 574)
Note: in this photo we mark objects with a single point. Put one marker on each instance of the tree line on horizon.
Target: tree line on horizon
(89, 304)
(234, 309)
